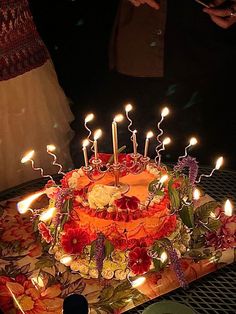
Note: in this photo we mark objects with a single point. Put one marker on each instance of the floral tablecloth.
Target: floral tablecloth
(32, 281)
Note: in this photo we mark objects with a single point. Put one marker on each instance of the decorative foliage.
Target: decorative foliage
(190, 163)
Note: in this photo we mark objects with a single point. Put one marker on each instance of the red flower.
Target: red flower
(74, 240)
(45, 232)
(127, 202)
(139, 261)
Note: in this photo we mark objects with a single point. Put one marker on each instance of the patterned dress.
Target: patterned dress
(33, 108)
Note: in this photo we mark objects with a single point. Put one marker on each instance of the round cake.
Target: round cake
(98, 230)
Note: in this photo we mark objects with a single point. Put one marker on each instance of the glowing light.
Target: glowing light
(165, 112)
(86, 143)
(196, 194)
(150, 135)
(97, 134)
(89, 117)
(66, 260)
(228, 208)
(27, 157)
(193, 141)
(219, 163)
(24, 205)
(166, 141)
(51, 148)
(118, 118)
(128, 107)
(48, 214)
(163, 179)
(164, 257)
(138, 282)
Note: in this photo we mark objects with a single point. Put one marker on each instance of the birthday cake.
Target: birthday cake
(121, 215)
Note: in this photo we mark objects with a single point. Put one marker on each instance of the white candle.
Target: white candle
(84, 149)
(149, 135)
(97, 135)
(117, 118)
(135, 145)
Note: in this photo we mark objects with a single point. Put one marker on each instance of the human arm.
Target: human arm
(222, 13)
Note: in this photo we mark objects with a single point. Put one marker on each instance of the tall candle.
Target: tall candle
(135, 145)
(149, 135)
(84, 149)
(97, 135)
(117, 118)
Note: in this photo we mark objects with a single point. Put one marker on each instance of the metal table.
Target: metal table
(214, 293)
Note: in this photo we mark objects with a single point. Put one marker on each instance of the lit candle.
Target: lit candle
(84, 149)
(97, 135)
(135, 145)
(24, 206)
(88, 118)
(50, 150)
(196, 194)
(149, 135)
(165, 142)
(128, 108)
(192, 142)
(219, 163)
(117, 119)
(164, 113)
(48, 214)
(228, 208)
(28, 157)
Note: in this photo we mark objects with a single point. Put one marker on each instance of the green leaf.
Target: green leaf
(203, 212)
(109, 248)
(186, 215)
(44, 262)
(106, 293)
(67, 206)
(174, 196)
(158, 249)
(35, 224)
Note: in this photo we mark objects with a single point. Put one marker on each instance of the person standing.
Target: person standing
(34, 110)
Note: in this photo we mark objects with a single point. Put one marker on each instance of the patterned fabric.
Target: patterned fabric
(21, 48)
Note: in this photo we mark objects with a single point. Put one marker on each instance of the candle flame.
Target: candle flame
(97, 134)
(86, 143)
(219, 163)
(89, 117)
(164, 257)
(138, 282)
(118, 118)
(165, 112)
(27, 157)
(166, 141)
(51, 148)
(193, 141)
(24, 205)
(228, 208)
(164, 178)
(196, 194)
(48, 214)
(128, 107)
(66, 260)
(150, 134)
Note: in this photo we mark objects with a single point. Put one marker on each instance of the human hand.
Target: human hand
(223, 17)
(152, 3)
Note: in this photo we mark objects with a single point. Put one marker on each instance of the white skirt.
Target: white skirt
(34, 112)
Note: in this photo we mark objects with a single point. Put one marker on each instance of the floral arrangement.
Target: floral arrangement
(194, 226)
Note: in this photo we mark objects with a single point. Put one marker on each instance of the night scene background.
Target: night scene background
(201, 96)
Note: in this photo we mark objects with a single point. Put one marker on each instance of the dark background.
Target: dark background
(199, 83)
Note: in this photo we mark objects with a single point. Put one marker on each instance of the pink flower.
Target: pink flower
(45, 232)
(225, 236)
